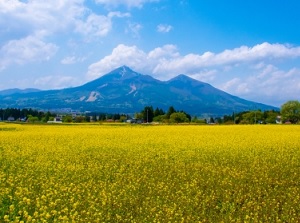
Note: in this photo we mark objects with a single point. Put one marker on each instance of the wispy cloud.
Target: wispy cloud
(163, 28)
(135, 29)
(56, 81)
(72, 60)
(127, 3)
(97, 25)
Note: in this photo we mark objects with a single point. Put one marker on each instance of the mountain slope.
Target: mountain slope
(126, 91)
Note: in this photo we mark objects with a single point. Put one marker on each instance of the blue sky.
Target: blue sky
(247, 48)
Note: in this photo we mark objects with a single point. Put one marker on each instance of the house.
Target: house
(56, 120)
(278, 119)
(134, 120)
(11, 119)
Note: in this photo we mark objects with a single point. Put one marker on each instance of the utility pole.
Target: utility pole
(147, 115)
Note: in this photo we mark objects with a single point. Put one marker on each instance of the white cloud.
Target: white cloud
(167, 51)
(167, 60)
(163, 28)
(72, 60)
(36, 23)
(205, 75)
(55, 82)
(95, 25)
(25, 50)
(121, 55)
(69, 60)
(35, 15)
(135, 28)
(132, 57)
(127, 3)
(28, 26)
(260, 52)
(268, 85)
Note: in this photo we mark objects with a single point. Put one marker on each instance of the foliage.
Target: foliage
(290, 111)
(72, 173)
(80, 119)
(158, 112)
(198, 121)
(170, 111)
(158, 115)
(178, 117)
(160, 118)
(32, 119)
(270, 117)
(22, 114)
(252, 117)
(67, 118)
(147, 114)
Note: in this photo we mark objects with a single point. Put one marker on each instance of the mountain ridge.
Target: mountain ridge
(125, 91)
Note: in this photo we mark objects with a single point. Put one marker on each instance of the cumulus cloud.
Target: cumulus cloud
(122, 54)
(25, 50)
(275, 88)
(133, 57)
(56, 15)
(163, 28)
(167, 59)
(35, 15)
(95, 25)
(243, 54)
(127, 3)
(36, 23)
(98, 25)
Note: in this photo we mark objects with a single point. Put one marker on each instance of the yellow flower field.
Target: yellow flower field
(141, 173)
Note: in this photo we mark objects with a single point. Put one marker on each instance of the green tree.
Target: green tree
(252, 117)
(178, 117)
(32, 119)
(80, 119)
(67, 118)
(139, 115)
(148, 114)
(270, 116)
(290, 111)
(160, 118)
(198, 121)
(170, 111)
(158, 112)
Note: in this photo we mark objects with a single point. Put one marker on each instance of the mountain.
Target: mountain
(126, 91)
(17, 91)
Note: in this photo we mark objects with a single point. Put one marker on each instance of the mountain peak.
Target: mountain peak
(182, 77)
(185, 79)
(123, 72)
(123, 68)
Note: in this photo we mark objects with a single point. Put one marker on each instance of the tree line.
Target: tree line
(15, 114)
(288, 113)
